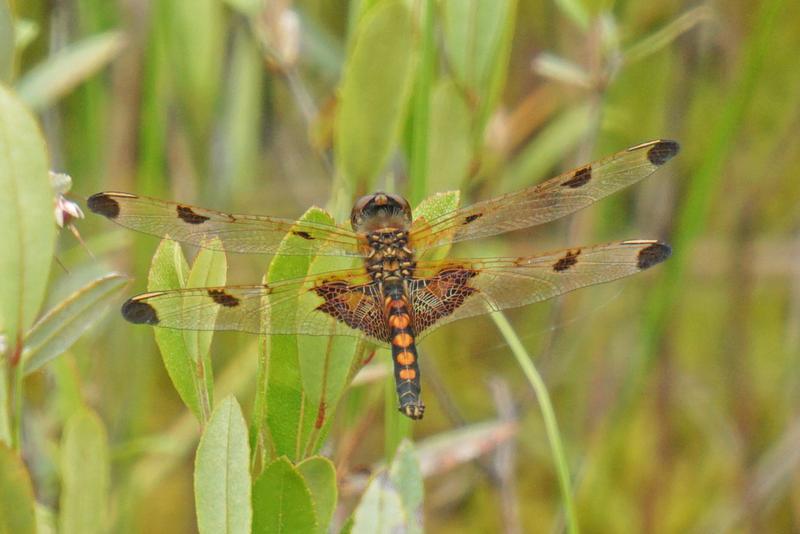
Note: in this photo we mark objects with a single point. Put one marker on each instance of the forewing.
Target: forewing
(550, 200)
(465, 288)
(334, 303)
(237, 233)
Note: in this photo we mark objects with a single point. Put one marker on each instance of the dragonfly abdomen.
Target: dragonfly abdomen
(404, 354)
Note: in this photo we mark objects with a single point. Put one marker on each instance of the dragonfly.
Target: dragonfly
(394, 297)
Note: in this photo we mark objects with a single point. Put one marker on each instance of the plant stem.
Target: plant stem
(550, 423)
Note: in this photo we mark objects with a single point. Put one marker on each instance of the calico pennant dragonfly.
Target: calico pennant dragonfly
(394, 297)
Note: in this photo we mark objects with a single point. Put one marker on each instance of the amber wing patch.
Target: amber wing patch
(359, 307)
(439, 296)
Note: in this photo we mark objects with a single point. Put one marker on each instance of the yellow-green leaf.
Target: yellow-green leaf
(16, 495)
(374, 92)
(27, 226)
(222, 473)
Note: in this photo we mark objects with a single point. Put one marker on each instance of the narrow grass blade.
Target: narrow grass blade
(85, 475)
(61, 326)
(48, 82)
(550, 423)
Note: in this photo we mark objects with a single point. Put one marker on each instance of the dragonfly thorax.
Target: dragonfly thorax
(389, 256)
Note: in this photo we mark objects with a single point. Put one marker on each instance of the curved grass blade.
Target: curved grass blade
(61, 326)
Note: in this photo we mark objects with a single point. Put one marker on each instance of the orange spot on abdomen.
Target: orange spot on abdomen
(402, 340)
(399, 321)
(407, 374)
(405, 358)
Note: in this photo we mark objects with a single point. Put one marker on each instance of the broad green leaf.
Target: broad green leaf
(85, 475)
(282, 503)
(381, 508)
(326, 363)
(247, 7)
(407, 477)
(374, 91)
(450, 136)
(169, 270)
(7, 37)
(222, 473)
(432, 207)
(16, 495)
(319, 475)
(209, 269)
(284, 405)
(61, 326)
(49, 81)
(27, 226)
(477, 42)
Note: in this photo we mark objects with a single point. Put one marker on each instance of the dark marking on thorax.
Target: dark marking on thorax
(389, 258)
(187, 215)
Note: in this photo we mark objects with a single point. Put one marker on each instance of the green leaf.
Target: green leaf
(222, 473)
(45, 520)
(169, 270)
(283, 402)
(27, 227)
(374, 91)
(209, 269)
(85, 475)
(406, 475)
(450, 137)
(7, 45)
(432, 207)
(61, 326)
(319, 475)
(381, 508)
(477, 41)
(46, 83)
(282, 502)
(16, 495)
(247, 7)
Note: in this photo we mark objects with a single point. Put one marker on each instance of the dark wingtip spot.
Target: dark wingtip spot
(103, 204)
(663, 151)
(222, 298)
(580, 178)
(469, 218)
(304, 235)
(653, 255)
(189, 216)
(139, 312)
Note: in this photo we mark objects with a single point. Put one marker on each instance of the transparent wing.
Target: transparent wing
(327, 304)
(237, 233)
(550, 200)
(465, 288)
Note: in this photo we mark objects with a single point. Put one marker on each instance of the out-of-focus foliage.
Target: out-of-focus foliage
(676, 391)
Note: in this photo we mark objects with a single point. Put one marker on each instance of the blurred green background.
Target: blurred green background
(676, 391)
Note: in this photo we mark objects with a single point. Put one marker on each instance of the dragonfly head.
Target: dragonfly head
(380, 210)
